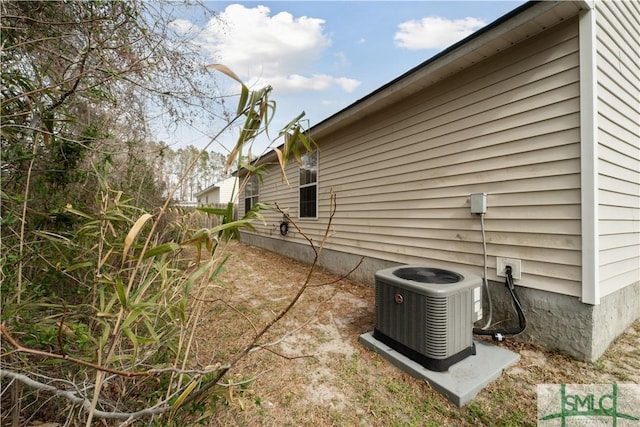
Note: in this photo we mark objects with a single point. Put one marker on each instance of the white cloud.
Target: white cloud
(315, 82)
(348, 85)
(280, 50)
(182, 26)
(434, 32)
(297, 82)
(341, 59)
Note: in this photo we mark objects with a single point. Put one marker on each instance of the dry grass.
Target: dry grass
(313, 371)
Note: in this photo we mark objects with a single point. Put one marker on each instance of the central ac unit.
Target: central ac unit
(427, 314)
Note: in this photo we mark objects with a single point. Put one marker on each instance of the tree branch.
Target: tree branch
(22, 349)
(286, 215)
(254, 343)
(220, 300)
(341, 277)
(158, 409)
(78, 77)
(19, 348)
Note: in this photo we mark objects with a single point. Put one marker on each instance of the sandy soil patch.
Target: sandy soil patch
(312, 371)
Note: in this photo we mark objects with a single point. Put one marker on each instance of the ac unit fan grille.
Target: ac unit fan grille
(428, 322)
(428, 275)
(436, 326)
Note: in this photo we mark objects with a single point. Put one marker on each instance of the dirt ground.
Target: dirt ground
(312, 371)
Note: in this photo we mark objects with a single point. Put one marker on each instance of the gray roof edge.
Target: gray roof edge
(494, 30)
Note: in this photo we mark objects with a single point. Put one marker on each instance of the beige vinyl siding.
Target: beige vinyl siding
(228, 190)
(508, 126)
(275, 190)
(618, 64)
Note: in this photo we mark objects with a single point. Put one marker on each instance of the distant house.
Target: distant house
(220, 192)
(540, 110)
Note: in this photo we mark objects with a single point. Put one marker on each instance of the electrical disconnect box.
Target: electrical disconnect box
(478, 203)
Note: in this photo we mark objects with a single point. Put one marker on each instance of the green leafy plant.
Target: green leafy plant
(127, 295)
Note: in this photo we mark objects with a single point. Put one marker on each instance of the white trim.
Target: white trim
(589, 155)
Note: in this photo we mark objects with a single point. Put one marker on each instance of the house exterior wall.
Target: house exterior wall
(210, 196)
(508, 126)
(618, 135)
(563, 181)
(222, 192)
(228, 190)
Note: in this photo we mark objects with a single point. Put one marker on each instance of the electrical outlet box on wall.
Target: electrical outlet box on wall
(515, 264)
(478, 203)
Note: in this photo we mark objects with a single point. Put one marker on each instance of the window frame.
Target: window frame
(253, 186)
(308, 185)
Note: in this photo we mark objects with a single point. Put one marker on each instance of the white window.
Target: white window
(251, 193)
(309, 186)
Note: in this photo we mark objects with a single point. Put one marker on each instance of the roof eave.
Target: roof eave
(520, 24)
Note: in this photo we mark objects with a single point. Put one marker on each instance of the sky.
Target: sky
(321, 56)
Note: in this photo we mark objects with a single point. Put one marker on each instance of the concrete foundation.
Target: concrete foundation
(554, 321)
(335, 261)
(615, 313)
(463, 380)
(562, 323)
